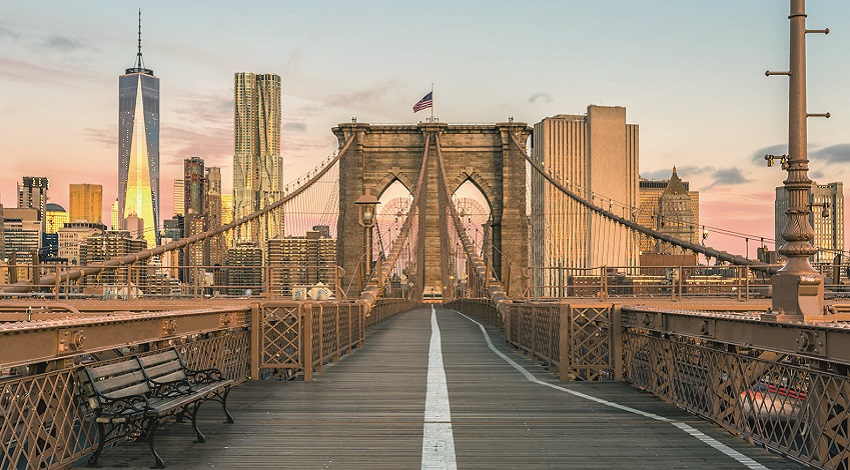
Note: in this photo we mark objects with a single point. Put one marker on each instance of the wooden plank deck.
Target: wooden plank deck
(367, 412)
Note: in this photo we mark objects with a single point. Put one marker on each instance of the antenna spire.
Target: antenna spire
(140, 64)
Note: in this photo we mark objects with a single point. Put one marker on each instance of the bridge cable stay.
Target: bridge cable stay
(74, 274)
(374, 285)
(707, 251)
(494, 288)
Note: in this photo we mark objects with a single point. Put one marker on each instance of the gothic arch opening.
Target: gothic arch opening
(474, 212)
(395, 201)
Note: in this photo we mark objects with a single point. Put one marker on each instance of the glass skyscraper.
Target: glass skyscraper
(138, 146)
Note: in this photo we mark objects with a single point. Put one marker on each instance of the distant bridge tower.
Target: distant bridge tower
(482, 154)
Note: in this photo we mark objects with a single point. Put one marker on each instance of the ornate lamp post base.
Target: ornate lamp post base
(797, 297)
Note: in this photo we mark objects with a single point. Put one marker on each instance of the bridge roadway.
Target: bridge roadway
(369, 412)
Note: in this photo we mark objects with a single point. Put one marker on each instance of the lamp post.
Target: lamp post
(797, 287)
(367, 203)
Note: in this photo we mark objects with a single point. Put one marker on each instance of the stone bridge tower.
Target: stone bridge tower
(483, 154)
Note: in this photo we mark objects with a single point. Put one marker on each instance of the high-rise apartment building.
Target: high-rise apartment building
(301, 261)
(827, 219)
(138, 146)
(86, 203)
(108, 245)
(257, 163)
(667, 218)
(217, 245)
(596, 155)
(32, 194)
(74, 235)
(244, 274)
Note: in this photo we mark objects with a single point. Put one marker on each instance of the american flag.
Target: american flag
(425, 102)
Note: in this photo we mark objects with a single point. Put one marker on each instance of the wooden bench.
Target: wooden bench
(139, 393)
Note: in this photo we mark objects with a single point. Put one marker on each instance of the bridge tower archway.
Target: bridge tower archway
(481, 153)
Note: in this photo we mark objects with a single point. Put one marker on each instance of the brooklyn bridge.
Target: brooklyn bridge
(435, 341)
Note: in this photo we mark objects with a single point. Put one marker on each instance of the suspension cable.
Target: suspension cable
(74, 274)
(707, 251)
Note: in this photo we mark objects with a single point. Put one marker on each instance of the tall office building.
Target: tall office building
(667, 217)
(827, 219)
(257, 163)
(138, 146)
(227, 217)
(179, 197)
(596, 155)
(194, 191)
(86, 203)
(32, 194)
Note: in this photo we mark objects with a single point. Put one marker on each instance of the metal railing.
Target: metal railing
(130, 282)
(673, 282)
(44, 423)
(785, 386)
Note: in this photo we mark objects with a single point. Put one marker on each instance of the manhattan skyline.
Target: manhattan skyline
(690, 74)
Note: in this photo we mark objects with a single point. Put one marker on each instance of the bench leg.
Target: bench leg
(224, 406)
(151, 432)
(101, 440)
(198, 434)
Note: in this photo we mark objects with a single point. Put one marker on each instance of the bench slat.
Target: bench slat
(167, 369)
(115, 383)
(159, 358)
(113, 369)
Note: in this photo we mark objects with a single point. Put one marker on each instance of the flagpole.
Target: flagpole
(432, 101)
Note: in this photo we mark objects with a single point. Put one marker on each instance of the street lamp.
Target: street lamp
(367, 203)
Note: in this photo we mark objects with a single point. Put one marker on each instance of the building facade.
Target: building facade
(595, 155)
(826, 218)
(671, 219)
(216, 246)
(111, 244)
(257, 162)
(138, 147)
(301, 261)
(244, 274)
(85, 203)
(73, 236)
(32, 194)
(179, 197)
(21, 234)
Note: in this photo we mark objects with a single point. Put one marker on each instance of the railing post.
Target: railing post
(564, 343)
(307, 340)
(338, 339)
(681, 280)
(57, 276)
(747, 282)
(616, 329)
(256, 335)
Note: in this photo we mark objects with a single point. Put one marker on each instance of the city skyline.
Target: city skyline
(690, 74)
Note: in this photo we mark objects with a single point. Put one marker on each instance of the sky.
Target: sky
(690, 73)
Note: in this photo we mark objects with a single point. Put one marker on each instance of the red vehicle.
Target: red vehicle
(768, 401)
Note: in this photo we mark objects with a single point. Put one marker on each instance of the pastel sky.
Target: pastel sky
(689, 72)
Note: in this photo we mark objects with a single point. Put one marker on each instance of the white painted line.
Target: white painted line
(438, 445)
(741, 458)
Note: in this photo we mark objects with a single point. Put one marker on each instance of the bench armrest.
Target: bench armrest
(205, 376)
(170, 389)
(121, 406)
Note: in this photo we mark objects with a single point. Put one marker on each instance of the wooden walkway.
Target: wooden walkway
(368, 411)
